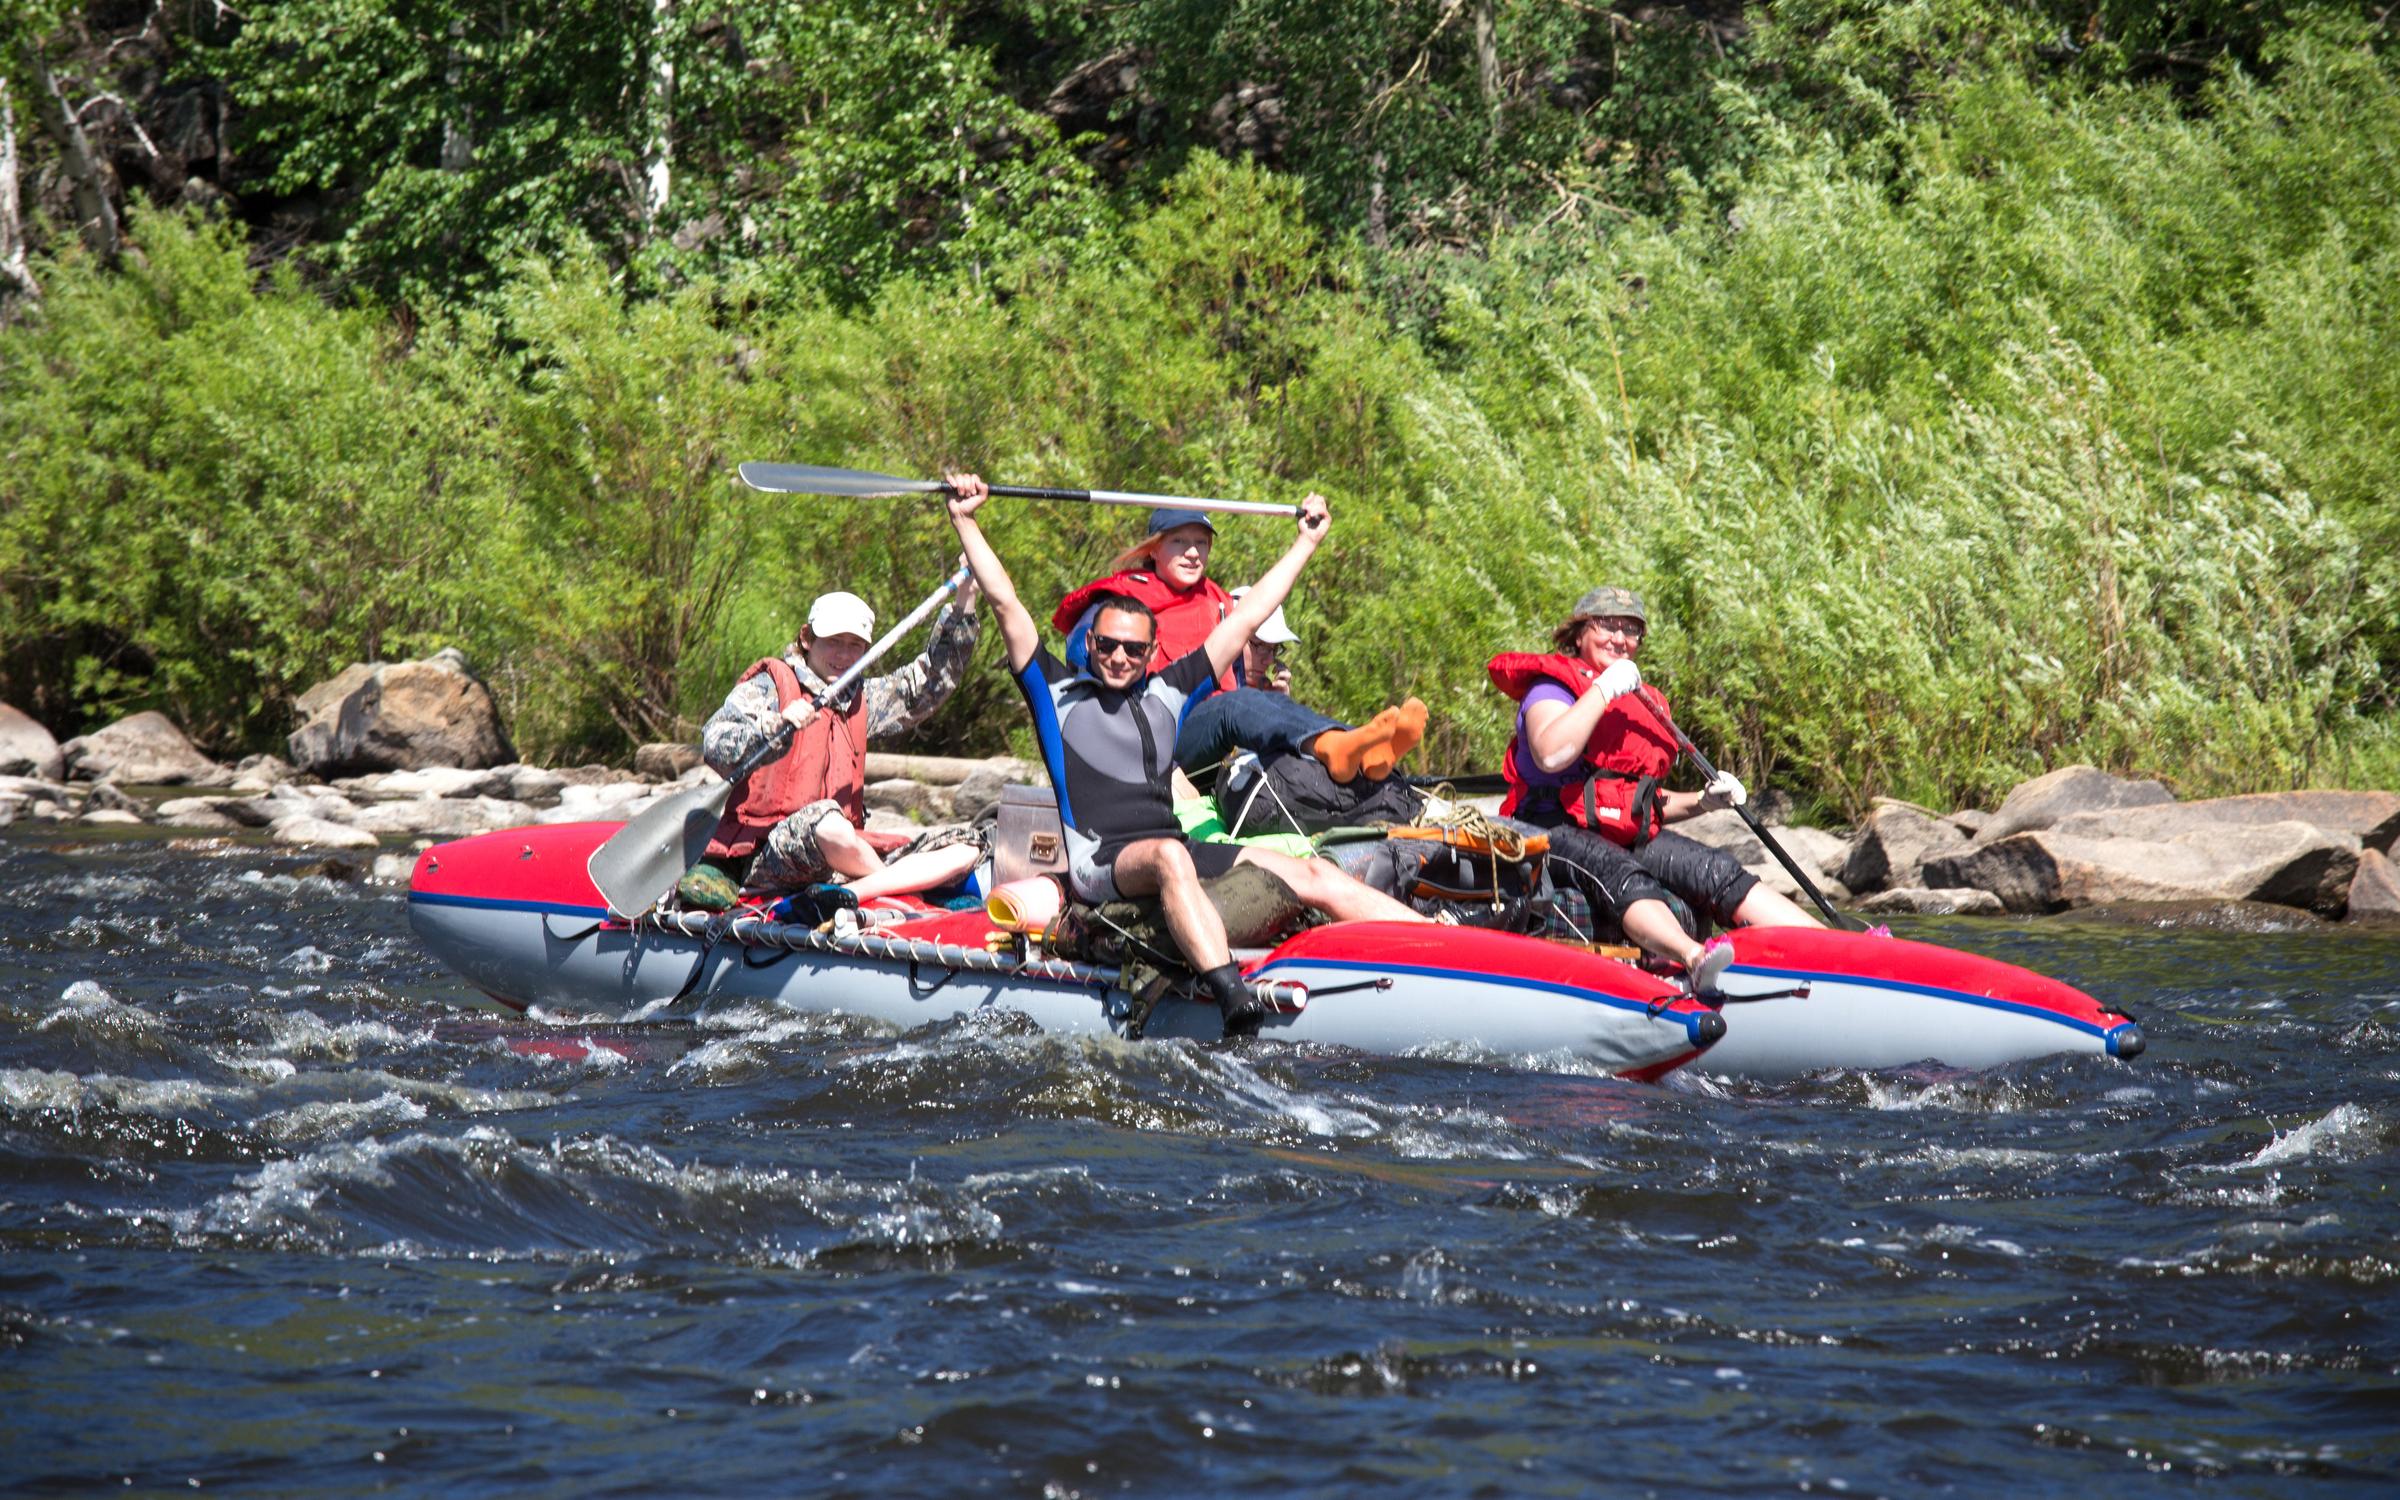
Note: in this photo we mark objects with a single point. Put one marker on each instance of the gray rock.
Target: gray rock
(303, 832)
(1775, 878)
(2370, 817)
(441, 817)
(2289, 864)
(593, 775)
(106, 816)
(977, 797)
(392, 869)
(108, 797)
(144, 749)
(664, 762)
(1724, 829)
(1971, 820)
(399, 716)
(2197, 916)
(26, 748)
(175, 809)
(11, 809)
(2375, 889)
(1816, 850)
(202, 818)
(533, 783)
(1957, 901)
(1893, 844)
(431, 781)
(881, 821)
(913, 799)
(2043, 801)
(263, 771)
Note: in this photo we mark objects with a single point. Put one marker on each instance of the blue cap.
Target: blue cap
(1168, 520)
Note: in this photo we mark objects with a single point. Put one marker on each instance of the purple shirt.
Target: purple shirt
(1522, 750)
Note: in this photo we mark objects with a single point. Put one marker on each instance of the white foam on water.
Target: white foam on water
(2342, 1131)
(90, 1004)
(26, 1091)
(304, 1033)
(340, 1117)
(307, 960)
(1982, 1096)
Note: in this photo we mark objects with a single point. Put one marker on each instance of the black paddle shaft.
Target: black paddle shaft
(1799, 877)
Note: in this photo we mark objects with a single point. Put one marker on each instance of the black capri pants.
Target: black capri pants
(1613, 877)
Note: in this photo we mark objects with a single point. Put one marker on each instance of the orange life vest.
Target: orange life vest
(827, 758)
(1184, 619)
(1631, 750)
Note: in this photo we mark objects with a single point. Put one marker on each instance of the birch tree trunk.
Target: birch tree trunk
(458, 119)
(1487, 55)
(13, 270)
(95, 215)
(658, 155)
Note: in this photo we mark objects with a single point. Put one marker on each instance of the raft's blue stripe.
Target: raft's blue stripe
(1689, 1020)
(494, 903)
(1989, 1002)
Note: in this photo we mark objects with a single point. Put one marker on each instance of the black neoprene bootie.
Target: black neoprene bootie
(1244, 1011)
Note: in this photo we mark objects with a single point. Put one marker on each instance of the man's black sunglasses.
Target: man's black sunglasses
(1102, 645)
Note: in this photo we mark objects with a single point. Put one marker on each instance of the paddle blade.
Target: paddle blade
(642, 860)
(809, 479)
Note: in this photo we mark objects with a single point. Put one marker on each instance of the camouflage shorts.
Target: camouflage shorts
(790, 856)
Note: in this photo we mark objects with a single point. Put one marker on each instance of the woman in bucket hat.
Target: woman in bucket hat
(1588, 761)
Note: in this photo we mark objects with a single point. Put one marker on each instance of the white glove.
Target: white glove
(1726, 791)
(1622, 677)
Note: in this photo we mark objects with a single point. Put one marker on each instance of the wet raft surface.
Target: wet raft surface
(282, 1209)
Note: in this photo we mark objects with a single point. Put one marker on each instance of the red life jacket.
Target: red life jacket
(827, 758)
(1184, 619)
(1631, 750)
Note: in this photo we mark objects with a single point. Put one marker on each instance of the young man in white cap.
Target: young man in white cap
(797, 821)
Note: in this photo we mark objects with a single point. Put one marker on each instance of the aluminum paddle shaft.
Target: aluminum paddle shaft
(859, 484)
(641, 862)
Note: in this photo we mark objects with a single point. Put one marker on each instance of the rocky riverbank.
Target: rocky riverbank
(385, 757)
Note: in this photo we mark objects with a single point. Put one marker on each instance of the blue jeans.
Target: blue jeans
(1250, 719)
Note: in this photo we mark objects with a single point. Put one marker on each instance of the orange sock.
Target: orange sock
(1377, 763)
(1410, 727)
(1344, 751)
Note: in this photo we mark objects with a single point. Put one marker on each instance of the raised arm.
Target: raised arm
(1250, 611)
(1017, 628)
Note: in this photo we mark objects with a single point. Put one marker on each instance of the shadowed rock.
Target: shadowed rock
(2199, 916)
(399, 716)
(664, 762)
(1893, 844)
(144, 749)
(2046, 800)
(26, 748)
(2289, 864)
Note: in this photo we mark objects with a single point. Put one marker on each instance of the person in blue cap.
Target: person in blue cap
(1168, 572)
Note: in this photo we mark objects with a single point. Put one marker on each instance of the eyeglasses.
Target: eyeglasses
(1615, 625)
(1103, 645)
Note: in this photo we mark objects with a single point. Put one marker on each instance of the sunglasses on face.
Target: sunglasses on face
(1631, 629)
(1104, 645)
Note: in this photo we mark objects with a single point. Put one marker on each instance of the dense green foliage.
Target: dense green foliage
(1973, 389)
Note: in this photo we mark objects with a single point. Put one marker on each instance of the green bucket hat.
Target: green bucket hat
(1608, 603)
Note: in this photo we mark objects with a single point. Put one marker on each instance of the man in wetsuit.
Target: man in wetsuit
(1107, 736)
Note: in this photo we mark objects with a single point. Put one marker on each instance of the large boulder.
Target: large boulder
(1724, 829)
(664, 762)
(26, 748)
(1894, 841)
(2373, 818)
(2375, 889)
(144, 749)
(2047, 800)
(399, 716)
(2289, 864)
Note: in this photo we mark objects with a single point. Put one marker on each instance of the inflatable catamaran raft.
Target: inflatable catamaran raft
(516, 914)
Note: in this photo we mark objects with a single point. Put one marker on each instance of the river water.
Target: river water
(285, 1209)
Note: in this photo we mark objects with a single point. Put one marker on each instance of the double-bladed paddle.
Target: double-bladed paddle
(641, 862)
(1845, 923)
(858, 484)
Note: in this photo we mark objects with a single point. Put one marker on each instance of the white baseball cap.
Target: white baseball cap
(841, 614)
(1277, 631)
